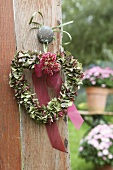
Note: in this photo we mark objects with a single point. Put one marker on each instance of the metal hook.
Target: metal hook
(45, 35)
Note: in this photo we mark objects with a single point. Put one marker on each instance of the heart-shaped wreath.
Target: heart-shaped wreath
(48, 64)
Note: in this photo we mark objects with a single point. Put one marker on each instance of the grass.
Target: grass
(74, 138)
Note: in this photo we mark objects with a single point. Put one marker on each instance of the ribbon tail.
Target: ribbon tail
(54, 137)
(74, 116)
(43, 97)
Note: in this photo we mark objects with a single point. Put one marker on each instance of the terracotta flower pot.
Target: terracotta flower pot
(110, 91)
(105, 167)
(96, 98)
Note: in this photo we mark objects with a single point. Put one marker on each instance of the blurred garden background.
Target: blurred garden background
(92, 44)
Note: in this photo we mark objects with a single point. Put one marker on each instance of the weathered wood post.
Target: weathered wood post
(23, 143)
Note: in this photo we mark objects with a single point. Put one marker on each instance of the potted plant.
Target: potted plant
(97, 147)
(98, 82)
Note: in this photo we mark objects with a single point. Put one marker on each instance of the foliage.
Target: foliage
(97, 146)
(82, 106)
(97, 76)
(92, 29)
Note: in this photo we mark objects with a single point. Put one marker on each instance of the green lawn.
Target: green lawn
(74, 138)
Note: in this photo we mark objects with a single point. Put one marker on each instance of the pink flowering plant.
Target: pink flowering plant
(99, 77)
(97, 146)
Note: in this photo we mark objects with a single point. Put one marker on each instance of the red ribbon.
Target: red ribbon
(41, 84)
(74, 116)
(54, 137)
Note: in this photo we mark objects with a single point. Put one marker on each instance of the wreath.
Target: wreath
(49, 64)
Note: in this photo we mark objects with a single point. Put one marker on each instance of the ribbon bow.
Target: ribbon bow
(41, 83)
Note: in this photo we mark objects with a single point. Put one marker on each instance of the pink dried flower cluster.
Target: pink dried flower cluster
(97, 76)
(49, 64)
(101, 139)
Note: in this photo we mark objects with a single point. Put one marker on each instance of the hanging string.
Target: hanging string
(32, 17)
(45, 47)
(55, 29)
(62, 25)
(70, 38)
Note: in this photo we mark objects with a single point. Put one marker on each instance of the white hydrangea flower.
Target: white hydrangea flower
(110, 156)
(105, 152)
(100, 154)
(81, 149)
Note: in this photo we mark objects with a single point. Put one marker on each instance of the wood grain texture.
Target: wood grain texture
(37, 152)
(90, 113)
(10, 154)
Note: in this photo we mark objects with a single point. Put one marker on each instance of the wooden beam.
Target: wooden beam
(37, 152)
(82, 112)
(10, 154)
